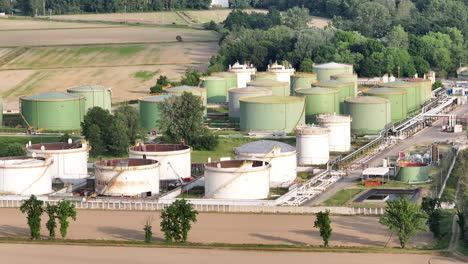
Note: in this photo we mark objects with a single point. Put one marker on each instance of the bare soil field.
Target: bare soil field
(4, 51)
(154, 17)
(56, 254)
(29, 24)
(222, 228)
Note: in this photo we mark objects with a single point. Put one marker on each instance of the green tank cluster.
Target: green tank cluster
(370, 114)
(278, 88)
(231, 78)
(264, 76)
(53, 110)
(302, 80)
(326, 70)
(346, 90)
(413, 97)
(216, 89)
(319, 101)
(397, 99)
(271, 113)
(412, 172)
(348, 78)
(94, 95)
(149, 110)
(425, 88)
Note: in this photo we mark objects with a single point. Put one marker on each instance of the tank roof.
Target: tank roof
(125, 162)
(271, 99)
(183, 88)
(367, 100)
(236, 163)
(249, 89)
(266, 83)
(56, 146)
(159, 147)
(263, 147)
(156, 98)
(89, 87)
(385, 90)
(398, 83)
(332, 83)
(411, 164)
(21, 161)
(53, 96)
(327, 118)
(311, 130)
(317, 90)
(418, 80)
(212, 78)
(345, 75)
(332, 65)
(304, 74)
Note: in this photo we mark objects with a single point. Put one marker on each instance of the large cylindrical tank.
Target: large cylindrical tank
(346, 90)
(312, 145)
(175, 159)
(25, 175)
(195, 90)
(244, 73)
(53, 110)
(412, 93)
(94, 95)
(326, 70)
(237, 179)
(319, 101)
(70, 159)
(302, 80)
(370, 114)
(283, 74)
(231, 78)
(347, 78)
(425, 88)
(264, 76)
(281, 156)
(216, 89)
(271, 113)
(278, 88)
(397, 99)
(127, 177)
(236, 94)
(339, 139)
(149, 110)
(412, 172)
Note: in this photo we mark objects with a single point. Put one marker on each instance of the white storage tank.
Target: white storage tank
(175, 159)
(70, 159)
(312, 145)
(25, 175)
(340, 131)
(244, 73)
(283, 74)
(237, 179)
(281, 156)
(238, 93)
(127, 177)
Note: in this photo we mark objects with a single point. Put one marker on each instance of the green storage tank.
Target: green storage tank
(397, 99)
(326, 70)
(412, 172)
(264, 76)
(149, 110)
(302, 80)
(412, 93)
(216, 89)
(348, 78)
(346, 90)
(369, 114)
(53, 110)
(319, 101)
(231, 78)
(278, 88)
(198, 91)
(94, 95)
(271, 113)
(425, 88)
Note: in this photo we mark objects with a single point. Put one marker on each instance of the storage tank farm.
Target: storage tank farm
(370, 114)
(70, 160)
(127, 177)
(94, 95)
(264, 76)
(397, 99)
(319, 101)
(237, 179)
(302, 80)
(412, 93)
(425, 88)
(312, 145)
(271, 113)
(25, 175)
(53, 110)
(326, 70)
(150, 114)
(339, 138)
(278, 88)
(346, 90)
(347, 78)
(216, 89)
(238, 93)
(174, 159)
(283, 74)
(244, 73)
(281, 157)
(412, 172)
(195, 90)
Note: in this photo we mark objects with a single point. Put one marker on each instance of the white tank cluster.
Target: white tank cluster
(127, 177)
(281, 157)
(283, 74)
(340, 131)
(70, 159)
(244, 73)
(175, 159)
(25, 175)
(312, 145)
(237, 179)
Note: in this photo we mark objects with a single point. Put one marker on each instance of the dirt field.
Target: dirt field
(26, 24)
(55, 254)
(221, 228)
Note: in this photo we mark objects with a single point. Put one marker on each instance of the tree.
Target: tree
(437, 84)
(5, 6)
(461, 222)
(323, 222)
(65, 210)
(33, 208)
(371, 19)
(13, 150)
(192, 78)
(397, 38)
(147, 228)
(98, 146)
(131, 118)
(179, 38)
(161, 82)
(51, 224)
(307, 65)
(296, 18)
(118, 135)
(405, 217)
(432, 208)
(95, 128)
(177, 219)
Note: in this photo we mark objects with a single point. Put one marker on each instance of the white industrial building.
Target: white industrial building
(175, 159)
(237, 179)
(340, 131)
(281, 156)
(312, 145)
(244, 73)
(283, 74)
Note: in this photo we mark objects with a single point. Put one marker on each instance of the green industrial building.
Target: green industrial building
(53, 110)
(94, 95)
(369, 114)
(326, 70)
(216, 89)
(231, 78)
(412, 172)
(413, 94)
(278, 88)
(319, 101)
(149, 110)
(397, 99)
(302, 80)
